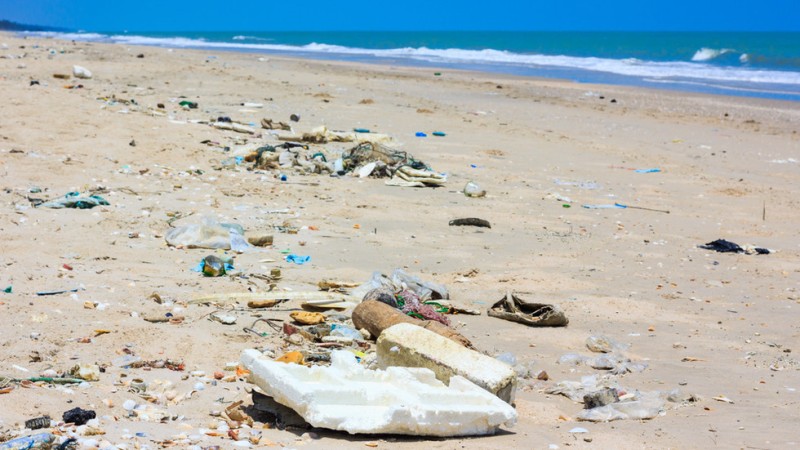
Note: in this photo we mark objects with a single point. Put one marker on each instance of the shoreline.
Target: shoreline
(708, 324)
(576, 74)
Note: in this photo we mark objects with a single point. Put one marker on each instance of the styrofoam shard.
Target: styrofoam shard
(398, 400)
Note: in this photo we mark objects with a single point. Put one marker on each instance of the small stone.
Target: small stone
(307, 318)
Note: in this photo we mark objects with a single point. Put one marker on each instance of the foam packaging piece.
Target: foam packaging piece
(407, 345)
(346, 396)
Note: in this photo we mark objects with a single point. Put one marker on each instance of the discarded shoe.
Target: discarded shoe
(514, 309)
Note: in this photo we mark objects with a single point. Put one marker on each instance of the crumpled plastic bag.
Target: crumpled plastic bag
(642, 406)
(399, 281)
(76, 200)
(617, 363)
(604, 344)
(210, 234)
(575, 390)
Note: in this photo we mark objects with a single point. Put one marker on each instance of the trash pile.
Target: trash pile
(367, 159)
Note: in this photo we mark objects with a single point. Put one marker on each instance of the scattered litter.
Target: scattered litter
(81, 72)
(297, 259)
(209, 234)
(38, 423)
(213, 266)
(624, 206)
(723, 246)
(515, 309)
(225, 319)
(470, 221)
(65, 291)
(78, 416)
(471, 189)
(76, 200)
(604, 344)
(41, 441)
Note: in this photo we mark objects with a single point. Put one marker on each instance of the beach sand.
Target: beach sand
(707, 323)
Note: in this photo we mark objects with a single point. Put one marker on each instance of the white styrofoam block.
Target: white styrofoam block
(398, 400)
(408, 345)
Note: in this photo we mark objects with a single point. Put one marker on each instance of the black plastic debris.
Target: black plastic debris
(723, 246)
(78, 416)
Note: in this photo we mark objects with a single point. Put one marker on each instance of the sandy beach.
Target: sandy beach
(722, 328)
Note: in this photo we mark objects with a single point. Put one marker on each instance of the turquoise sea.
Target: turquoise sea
(755, 64)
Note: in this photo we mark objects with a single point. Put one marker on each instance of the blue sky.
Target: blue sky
(317, 15)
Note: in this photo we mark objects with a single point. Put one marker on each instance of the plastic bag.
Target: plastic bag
(209, 234)
(645, 405)
(604, 344)
(575, 390)
(426, 290)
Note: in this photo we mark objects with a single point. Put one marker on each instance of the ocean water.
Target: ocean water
(755, 64)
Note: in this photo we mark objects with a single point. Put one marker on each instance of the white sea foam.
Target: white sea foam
(707, 54)
(242, 37)
(670, 70)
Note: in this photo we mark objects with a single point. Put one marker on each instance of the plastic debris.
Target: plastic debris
(723, 246)
(209, 234)
(213, 266)
(64, 291)
(348, 397)
(81, 72)
(297, 259)
(76, 200)
(78, 416)
(471, 189)
(43, 441)
(604, 344)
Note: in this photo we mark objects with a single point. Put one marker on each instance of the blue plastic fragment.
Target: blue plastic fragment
(297, 259)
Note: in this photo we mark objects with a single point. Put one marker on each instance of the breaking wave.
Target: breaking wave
(707, 54)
